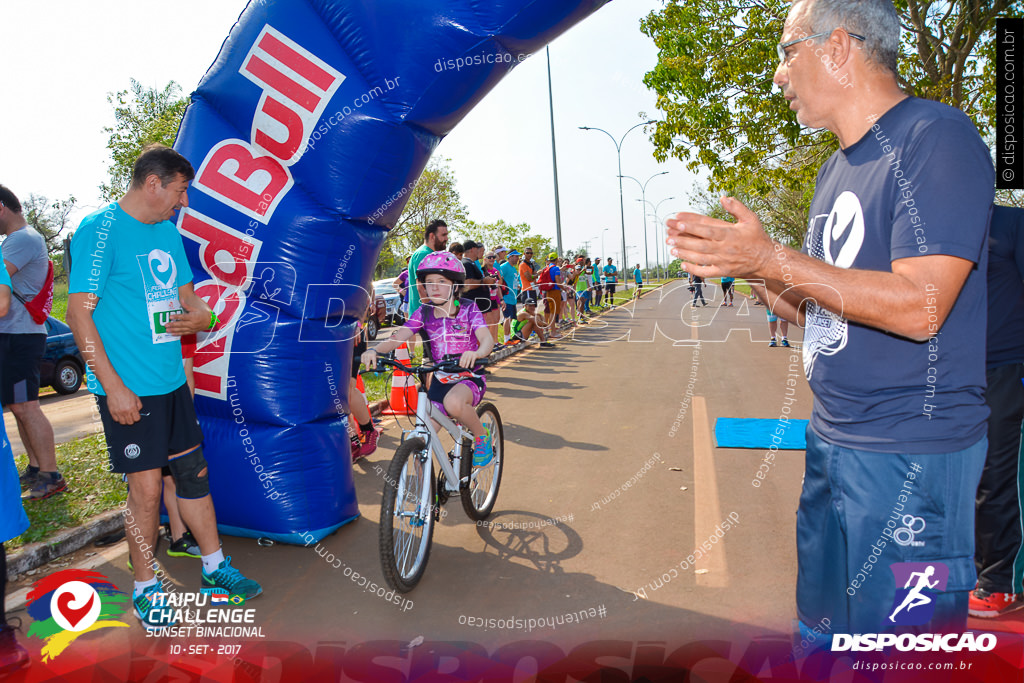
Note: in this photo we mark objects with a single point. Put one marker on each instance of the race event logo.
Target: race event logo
(914, 603)
(68, 603)
(210, 613)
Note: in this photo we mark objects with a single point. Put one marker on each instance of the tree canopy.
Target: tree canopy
(510, 236)
(50, 219)
(142, 116)
(713, 80)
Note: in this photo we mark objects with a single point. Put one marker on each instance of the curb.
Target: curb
(65, 542)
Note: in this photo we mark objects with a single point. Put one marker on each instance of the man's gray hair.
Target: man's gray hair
(876, 20)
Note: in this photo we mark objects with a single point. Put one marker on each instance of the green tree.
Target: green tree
(511, 236)
(50, 219)
(714, 86)
(142, 116)
(434, 196)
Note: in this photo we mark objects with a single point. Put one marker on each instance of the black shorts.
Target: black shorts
(486, 305)
(438, 390)
(610, 287)
(168, 426)
(20, 355)
(358, 350)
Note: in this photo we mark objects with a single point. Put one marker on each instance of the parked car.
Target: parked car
(62, 366)
(379, 315)
(392, 298)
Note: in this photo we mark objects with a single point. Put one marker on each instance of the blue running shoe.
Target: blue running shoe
(150, 616)
(231, 581)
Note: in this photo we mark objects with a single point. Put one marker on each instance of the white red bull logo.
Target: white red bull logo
(252, 177)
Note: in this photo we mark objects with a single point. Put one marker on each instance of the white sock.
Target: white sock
(143, 585)
(212, 561)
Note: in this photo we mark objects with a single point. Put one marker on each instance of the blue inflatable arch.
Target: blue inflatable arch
(307, 134)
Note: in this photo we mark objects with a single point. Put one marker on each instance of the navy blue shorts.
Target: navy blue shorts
(511, 310)
(862, 511)
(167, 426)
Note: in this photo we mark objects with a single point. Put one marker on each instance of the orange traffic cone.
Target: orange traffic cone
(403, 387)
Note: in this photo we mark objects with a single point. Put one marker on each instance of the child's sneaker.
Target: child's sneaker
(370, 443)
(483, 453)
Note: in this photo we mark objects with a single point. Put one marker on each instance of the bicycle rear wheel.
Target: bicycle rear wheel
(407, 516)
(479, 497)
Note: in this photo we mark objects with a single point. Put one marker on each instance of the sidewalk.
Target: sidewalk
(34, 555)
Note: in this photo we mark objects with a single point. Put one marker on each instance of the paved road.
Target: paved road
(612, 480)
(71, 416)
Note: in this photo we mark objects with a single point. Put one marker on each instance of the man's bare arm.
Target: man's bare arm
(912, 301)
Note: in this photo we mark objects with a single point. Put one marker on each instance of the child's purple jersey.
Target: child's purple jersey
(449, 336)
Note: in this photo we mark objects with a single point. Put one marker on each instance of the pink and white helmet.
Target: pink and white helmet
(443, 263)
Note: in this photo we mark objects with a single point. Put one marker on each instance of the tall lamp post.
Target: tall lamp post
(602, 239)
(643, 193)
(618, 153)
(657, 248)
(661, 221)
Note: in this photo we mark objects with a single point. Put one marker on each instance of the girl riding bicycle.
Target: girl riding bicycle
(455, 330)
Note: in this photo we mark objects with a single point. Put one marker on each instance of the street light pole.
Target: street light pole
(618, 153)
(657, 249)
(554, 156)
(643, 194)
(664, 245)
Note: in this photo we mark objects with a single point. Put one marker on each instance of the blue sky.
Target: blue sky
(64, 57)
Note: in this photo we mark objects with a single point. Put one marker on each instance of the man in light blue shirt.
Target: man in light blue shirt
(130, 301)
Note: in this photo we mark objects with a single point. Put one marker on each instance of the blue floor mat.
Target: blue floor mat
(732, 432)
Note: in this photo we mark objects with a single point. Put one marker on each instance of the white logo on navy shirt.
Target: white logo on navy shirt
(837, 241)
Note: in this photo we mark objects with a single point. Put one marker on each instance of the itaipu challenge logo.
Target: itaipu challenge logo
(69, 603)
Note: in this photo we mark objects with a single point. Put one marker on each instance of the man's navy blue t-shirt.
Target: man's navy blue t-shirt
(919, 183)
(1006, 287)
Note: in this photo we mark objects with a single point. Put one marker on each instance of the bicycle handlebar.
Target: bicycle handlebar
(447, 365)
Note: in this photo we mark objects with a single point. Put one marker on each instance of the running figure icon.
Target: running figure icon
(915, 598)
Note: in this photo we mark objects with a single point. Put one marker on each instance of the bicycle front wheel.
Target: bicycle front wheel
(479, 497)
(407, 516)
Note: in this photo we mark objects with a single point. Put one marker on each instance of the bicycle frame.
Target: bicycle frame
(426, 415)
